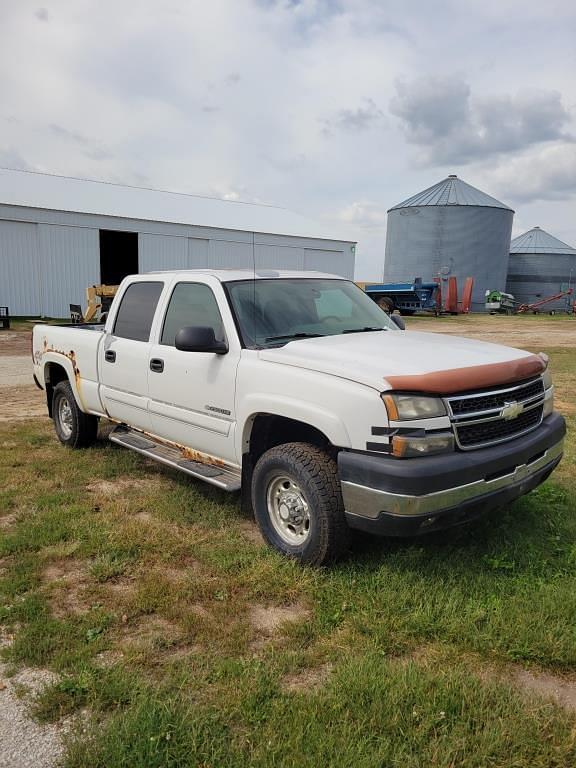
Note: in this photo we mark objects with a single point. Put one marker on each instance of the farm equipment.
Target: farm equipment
(535, 306)
(407, 298)
(499, 303)
(451, 305)
(418, 296)
(4, 318)
(98, 301)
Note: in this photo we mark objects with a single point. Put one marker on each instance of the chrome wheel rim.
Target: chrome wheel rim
(288, 510)
(65, 417)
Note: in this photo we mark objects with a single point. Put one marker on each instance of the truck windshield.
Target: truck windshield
(274, 312)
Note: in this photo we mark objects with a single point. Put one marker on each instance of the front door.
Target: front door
(192, 393)
(124, 355)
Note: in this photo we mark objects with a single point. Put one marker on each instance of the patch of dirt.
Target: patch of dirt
(67, 583)
(250, 531)
(535, 332)
(558, 688)
(561, 690)
(6, 521)
(175, 575)
(121, 587)
(199, 610)
(64, 571)
(15, 343)
(20, 403)
(119, 485)
(268, 620)
(307, 680)
(566, 409)
(107, 659)
(152, 633)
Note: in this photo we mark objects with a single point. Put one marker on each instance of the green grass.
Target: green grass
(141, 599)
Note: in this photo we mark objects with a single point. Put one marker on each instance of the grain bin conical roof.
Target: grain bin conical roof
(536, 240)
(451, 191)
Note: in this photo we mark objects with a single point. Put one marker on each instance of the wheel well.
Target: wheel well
(269, 430)
(53, 374)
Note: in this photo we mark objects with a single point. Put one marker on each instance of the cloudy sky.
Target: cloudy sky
(338, 109)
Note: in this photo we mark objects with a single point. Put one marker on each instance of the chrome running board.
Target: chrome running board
(221, 475)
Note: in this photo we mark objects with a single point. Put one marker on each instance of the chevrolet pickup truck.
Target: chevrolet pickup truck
(296, 389)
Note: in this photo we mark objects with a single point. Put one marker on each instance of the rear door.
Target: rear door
(124, 355)
(192, 393)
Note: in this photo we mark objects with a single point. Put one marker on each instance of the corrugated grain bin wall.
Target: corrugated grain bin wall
(451, 230)
(541, 265)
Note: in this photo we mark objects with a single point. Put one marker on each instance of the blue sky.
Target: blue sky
(338, 109)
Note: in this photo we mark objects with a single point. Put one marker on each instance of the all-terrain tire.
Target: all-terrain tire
(73, 427)
(314, 473)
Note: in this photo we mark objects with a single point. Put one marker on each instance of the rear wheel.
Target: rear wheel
(74, 428)
(298, 503)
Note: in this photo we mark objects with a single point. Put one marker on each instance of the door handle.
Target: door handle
(156, 365)
(110, 356)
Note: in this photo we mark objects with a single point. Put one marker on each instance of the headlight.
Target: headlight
(408, 407)
(547, 378)
(406, 447)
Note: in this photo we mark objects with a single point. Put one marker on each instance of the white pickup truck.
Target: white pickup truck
(296, 388)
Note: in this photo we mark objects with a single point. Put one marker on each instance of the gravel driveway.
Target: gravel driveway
(24, 742)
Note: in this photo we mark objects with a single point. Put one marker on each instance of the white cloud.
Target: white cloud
(233, 97)
(443, 119)
(364, 215)
(545, 173)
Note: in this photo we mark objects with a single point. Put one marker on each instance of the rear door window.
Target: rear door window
(136, 311)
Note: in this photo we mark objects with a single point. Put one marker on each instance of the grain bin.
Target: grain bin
(540, 265)
(450, 230)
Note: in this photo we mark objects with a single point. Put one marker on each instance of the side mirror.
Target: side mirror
(399, 321)
(199, 338)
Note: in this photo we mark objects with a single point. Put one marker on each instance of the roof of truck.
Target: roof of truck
(229, 275)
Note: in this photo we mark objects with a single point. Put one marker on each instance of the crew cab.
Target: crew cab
(298, 390)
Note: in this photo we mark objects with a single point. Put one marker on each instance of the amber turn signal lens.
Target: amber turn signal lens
(390, 404)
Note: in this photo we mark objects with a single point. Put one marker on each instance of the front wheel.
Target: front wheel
(298, 503)
(74, 428)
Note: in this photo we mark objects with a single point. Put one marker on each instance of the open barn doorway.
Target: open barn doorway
(118, 255)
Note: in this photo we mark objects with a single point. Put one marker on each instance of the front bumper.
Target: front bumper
(407, 497)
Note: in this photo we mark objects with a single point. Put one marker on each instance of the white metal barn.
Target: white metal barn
(59, 235)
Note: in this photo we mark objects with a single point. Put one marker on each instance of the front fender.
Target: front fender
(322, 419)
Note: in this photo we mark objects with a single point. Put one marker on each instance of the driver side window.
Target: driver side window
(191, 304)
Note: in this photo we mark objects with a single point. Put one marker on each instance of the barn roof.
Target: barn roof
(64, 193)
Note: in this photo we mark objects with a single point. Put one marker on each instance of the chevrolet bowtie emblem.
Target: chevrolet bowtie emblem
(511, 410)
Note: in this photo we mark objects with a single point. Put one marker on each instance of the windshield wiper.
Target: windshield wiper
(362, 330)
(289, 336)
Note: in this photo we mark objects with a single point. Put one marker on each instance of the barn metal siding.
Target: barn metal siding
(19, 269)
(228, 254)
(69, 260)
(48, 257)
(161, 252)
(534, 276)
(322, 260)
(457, 240)
(198, 253)
(279, 257)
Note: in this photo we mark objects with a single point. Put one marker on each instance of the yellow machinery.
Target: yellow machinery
(98, 300)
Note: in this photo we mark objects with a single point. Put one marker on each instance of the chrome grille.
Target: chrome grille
(493, 416)
(482, 402)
